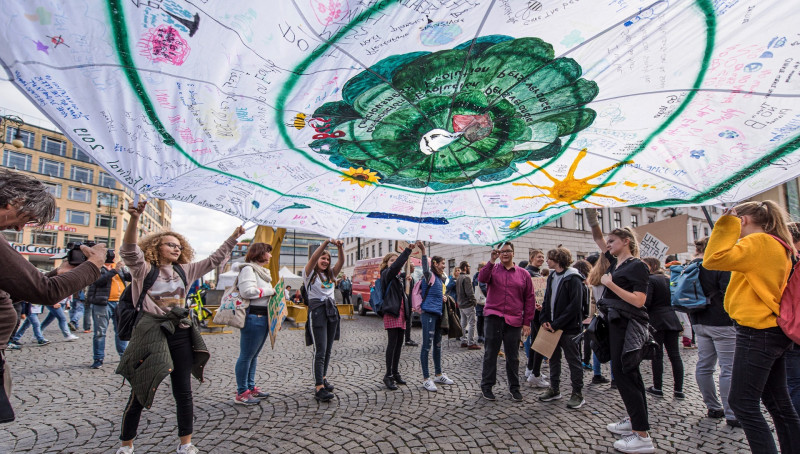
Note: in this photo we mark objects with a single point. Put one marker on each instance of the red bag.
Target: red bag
(789, 317)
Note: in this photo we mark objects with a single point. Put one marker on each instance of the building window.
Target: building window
(373, 251)
(77, 217)
(107, 199)
(380, 249)
(617, 220)
(107, 181)
(53, 146)
(13, 236)
(80, 155)
(52, 168)
(18, 161)
(72, 238)
(389, 247)
(694, 232)
(102, 220)
(559, 223)
(83, 174)
(57, 217)
(600, 219)
(705, 231)
(53, 188)
(579, 221)
(26, 137)
(111, 244)
(634, 220)
(714, 209)
(44, 238)
(79, 194)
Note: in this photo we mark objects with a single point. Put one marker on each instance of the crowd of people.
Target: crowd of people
(614, 307)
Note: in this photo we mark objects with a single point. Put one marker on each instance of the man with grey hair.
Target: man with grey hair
(465, 296)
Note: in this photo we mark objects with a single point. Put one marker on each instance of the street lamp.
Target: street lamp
(14, 120)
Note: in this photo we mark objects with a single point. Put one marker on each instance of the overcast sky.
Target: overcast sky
(206, 229)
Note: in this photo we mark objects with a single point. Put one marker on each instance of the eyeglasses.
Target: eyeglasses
(507, 251)
(173, 246)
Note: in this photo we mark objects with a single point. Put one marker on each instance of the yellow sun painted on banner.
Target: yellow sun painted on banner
(571, 190)
(360, 176)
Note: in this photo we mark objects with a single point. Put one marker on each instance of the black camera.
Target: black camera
(75, 256)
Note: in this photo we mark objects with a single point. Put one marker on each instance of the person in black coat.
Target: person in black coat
(668, 329)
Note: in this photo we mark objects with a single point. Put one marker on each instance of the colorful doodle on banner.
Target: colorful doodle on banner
(277, 311)
(454, 121)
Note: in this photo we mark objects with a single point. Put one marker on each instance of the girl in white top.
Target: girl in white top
(322, 328)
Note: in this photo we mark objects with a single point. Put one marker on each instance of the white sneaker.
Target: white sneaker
(528, 372)
(428, 384)
(635, 443)
(538, 382)
(443, 380)
(72, 337)
(188, 449)
(125, 450)
(621, 428)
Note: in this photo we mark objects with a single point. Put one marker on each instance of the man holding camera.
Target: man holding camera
(103, 296)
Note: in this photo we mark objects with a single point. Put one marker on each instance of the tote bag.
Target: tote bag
(232, 309)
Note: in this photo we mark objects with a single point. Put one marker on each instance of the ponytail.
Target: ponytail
(771, 217)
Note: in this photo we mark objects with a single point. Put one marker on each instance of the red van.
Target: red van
(365, 273)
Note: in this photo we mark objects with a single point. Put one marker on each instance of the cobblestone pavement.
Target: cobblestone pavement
(63, 406)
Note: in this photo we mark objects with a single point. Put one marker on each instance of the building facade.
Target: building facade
(91, 204)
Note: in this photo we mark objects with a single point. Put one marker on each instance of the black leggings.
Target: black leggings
(323, 331)
(535, 358)
(393, 350)
(668, 340)
(180, 348)
(629, 384)
(587, 347)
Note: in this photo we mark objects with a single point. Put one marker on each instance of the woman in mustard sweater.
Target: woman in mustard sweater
(741, 242)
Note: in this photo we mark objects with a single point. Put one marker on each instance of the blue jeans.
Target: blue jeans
(596, 366)
(251, 341)
(759, 375)
(793, 375)
(76, 311)
(527, 346)
(431, 335)
(31, 320)
(100, 315)
(56, 314)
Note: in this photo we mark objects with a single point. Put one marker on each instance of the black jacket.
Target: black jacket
(714, 284)
(98, 292)
(638, 344)
(393, 286)
(659, 305)
(568, 312)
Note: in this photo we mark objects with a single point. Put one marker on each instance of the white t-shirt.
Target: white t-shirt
(320, 289)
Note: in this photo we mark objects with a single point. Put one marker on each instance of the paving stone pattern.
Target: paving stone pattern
(63, 406)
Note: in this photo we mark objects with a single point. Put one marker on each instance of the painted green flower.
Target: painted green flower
(444, 119)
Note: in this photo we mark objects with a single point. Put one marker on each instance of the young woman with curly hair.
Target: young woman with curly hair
(164, 340)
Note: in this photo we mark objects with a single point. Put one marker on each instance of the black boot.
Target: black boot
(398, 379)
(389, 382)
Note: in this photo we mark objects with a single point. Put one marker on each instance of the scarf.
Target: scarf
(261, 272)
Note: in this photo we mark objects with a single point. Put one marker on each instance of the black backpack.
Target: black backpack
(128, 314)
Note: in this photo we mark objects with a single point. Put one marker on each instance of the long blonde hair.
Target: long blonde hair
(627, 234)
(771, 217)
(385, 261)
(598, 270)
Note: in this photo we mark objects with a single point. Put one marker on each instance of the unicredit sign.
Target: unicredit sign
(32, 249)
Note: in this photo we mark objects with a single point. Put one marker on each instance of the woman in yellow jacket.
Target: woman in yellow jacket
(741, 242)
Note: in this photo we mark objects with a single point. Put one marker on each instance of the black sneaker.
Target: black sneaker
(516, 396)
(656, 392)
(410, 343)
(97, 364)
(72, 326)
(389, 382)
(599, 380)
(323, 395)
(481, 340)
(398, 379)
(716, 414)
(679, 395)
(613, 384)
(488, 394)
(733, 422)
(327, 385)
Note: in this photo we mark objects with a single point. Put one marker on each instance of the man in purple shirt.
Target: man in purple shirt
(510, 305)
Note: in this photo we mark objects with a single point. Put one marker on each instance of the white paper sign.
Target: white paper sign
(653, 247)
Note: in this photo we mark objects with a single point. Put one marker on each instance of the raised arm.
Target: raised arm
(340, 259)
(131, 233)
(597, 231)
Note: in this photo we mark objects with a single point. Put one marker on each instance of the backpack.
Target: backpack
(127, 314)
(345, 286)
(789, 317)
(417, 297)
(376, 297)
(684, 284)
